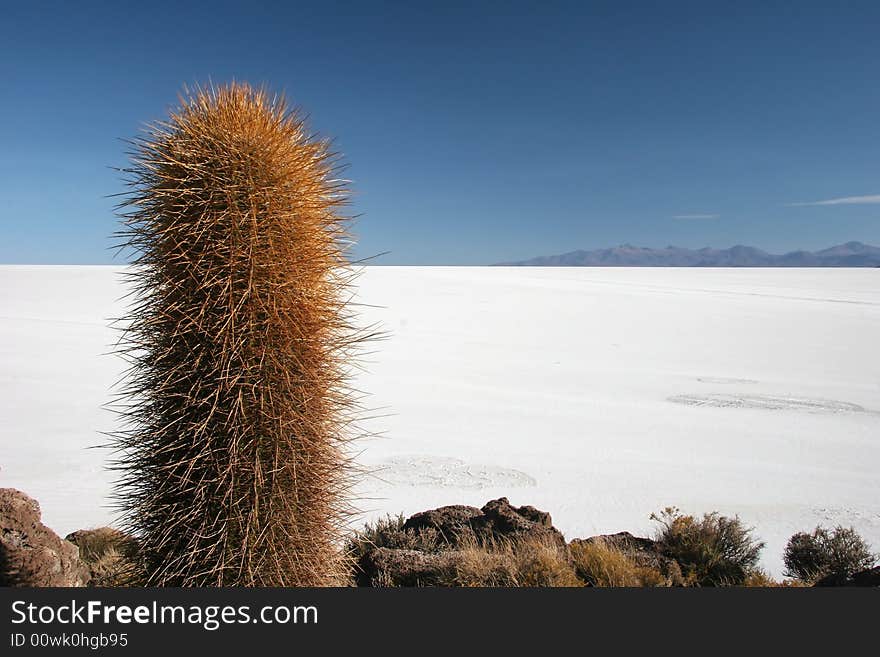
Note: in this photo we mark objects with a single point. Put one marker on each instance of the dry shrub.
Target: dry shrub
(714, 550)
(237, 409)
(600, 564)
(389, 532)
(761, 579)
(835, 554)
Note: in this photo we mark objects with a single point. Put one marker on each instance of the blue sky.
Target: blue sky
(474, 132)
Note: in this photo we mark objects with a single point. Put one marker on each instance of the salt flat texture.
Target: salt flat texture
(600, 395)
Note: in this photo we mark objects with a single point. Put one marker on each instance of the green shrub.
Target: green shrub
(714, 550)
(836, 553)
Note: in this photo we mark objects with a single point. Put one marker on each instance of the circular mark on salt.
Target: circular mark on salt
(723, 380)
(443, 472)
(847, 516)
(769, 402)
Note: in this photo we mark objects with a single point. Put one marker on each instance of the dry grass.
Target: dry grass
(470, 561)
(109, 554)
(542, 562)
(475, 566)
(528, 562)
(603, 565)
(236, 409)
(94, 543)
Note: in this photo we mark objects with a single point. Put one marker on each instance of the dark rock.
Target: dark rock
(31, 554)
(459, 528)
(869, 577)
(502, 521)
(831, 580)
(390, 567)
(534, 515)
(625, 542)
(451, 522)
(498, 520)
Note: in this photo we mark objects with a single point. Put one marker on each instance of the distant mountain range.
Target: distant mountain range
(851, 254)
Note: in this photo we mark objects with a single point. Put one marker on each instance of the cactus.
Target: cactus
(236, 408)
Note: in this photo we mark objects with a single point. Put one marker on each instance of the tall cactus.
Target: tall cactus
(236, 407)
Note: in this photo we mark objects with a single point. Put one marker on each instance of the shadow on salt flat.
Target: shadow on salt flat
(444, 472)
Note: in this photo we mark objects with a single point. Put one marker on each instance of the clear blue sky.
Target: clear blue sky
(475, 132)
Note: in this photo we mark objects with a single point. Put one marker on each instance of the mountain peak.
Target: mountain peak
(850, 254)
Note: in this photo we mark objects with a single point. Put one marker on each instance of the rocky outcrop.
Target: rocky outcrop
(31, 554)
(624, 541)
(431, 546)
(452, 523)
(869, 577)
(497, 521)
